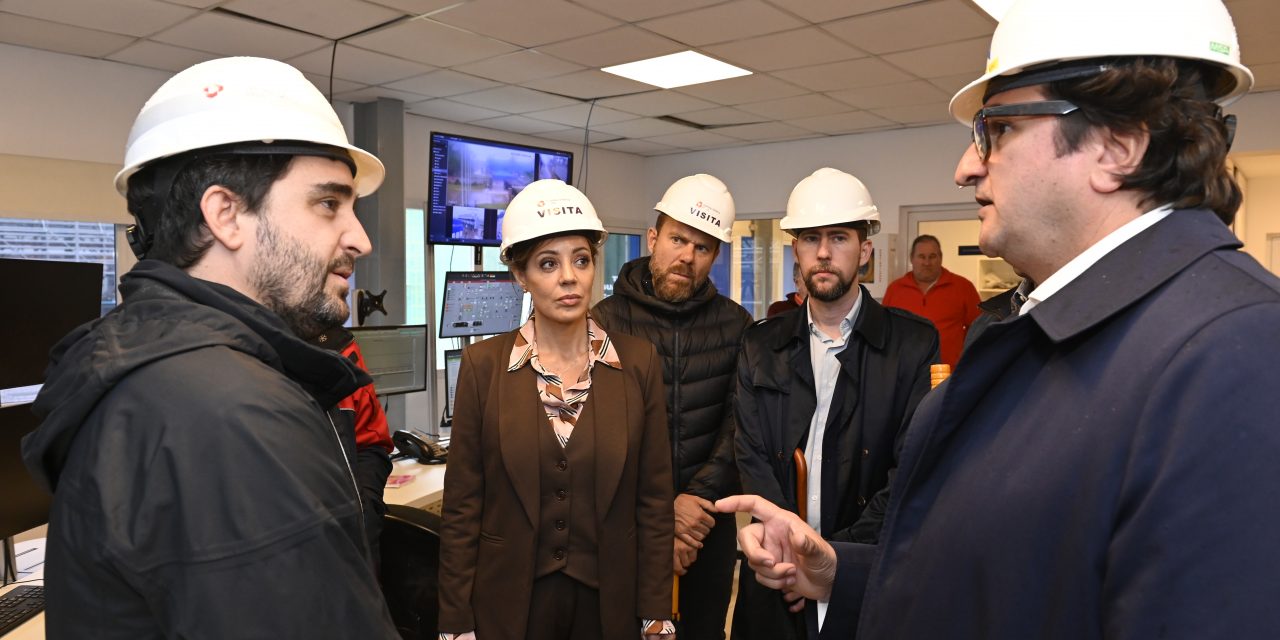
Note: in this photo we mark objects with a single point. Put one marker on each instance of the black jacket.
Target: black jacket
(200, 489)
(698, 340)
(884, 371)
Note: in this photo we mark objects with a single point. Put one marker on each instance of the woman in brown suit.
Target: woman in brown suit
(557, 502)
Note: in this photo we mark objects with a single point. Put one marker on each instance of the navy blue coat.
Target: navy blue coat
(1106, 466)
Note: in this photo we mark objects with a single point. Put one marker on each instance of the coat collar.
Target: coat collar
(871, 324)
(1131, 271)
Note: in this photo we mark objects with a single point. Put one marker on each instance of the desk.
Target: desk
(427, 487)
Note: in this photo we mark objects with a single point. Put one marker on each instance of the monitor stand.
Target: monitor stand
(9, 563)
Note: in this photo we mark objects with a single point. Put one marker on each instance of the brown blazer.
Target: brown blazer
(491, 492)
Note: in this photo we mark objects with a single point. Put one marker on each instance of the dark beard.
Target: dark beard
(670, 290)
(836, 292)
(285, 270)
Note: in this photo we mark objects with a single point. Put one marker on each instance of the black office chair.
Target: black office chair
(410, 556)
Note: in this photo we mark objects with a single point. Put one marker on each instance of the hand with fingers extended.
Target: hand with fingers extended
(693, 520)
(785, 553)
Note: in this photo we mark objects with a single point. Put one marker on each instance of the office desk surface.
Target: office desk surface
(426, 487)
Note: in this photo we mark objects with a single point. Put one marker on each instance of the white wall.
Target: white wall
(1262, 205)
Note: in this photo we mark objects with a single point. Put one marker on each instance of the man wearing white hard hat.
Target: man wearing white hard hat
(1101, 464)
(202, 486)
(669, 299)
(832, 381)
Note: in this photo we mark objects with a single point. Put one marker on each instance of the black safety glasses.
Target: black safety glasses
(982, 139)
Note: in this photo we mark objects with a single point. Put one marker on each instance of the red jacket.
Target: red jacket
(951, 305)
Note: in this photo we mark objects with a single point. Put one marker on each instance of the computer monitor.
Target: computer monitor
(44, 301)
(452, 362)
(23, 503)
(395, 356)
(480, 303)
(472, 181)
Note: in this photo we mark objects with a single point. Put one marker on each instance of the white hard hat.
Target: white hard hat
(830, 197)
(232, 100)
(1035, 32)
(702, 202)
(547, 207)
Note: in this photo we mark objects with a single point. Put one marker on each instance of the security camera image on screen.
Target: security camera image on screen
(473, 180)
(480, 303)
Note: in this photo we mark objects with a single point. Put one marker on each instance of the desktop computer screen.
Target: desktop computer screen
(23, 504)
(480, 303)
(395, 356)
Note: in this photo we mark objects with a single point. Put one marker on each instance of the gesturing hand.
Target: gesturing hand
(785, 553)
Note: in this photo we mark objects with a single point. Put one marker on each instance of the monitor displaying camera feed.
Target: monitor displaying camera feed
(472, 180)
(395, 357)
(480, 303)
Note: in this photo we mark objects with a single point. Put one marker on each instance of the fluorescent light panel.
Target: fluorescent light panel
(677, 70)
(994, 8)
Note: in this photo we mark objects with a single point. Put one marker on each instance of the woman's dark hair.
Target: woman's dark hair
(1185, 161)
(174, 222)
(519, 253)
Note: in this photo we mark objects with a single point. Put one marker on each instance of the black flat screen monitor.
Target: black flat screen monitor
(452, 363)
(480, 303)
(472, 180)
(396, 357)
(23, 504)
(44, 301)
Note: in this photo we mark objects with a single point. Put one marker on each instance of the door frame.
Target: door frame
(909, 219)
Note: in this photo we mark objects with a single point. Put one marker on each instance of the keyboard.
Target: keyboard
(20, 605)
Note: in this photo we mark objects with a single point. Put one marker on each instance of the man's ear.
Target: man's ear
(223, 211)
(652, 237)
(1119, 154)
(865, 251)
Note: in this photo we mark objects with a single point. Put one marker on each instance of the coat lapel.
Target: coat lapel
(606, 408)
(519, 418)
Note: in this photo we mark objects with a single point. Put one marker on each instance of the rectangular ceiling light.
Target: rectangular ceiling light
(677, 70)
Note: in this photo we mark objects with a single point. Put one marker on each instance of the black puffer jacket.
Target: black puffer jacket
(698, 340)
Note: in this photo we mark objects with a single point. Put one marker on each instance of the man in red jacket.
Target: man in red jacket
(949, 301)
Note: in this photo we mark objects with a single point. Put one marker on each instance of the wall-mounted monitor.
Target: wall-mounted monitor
(395, 357)
(472, 180)
(452, 363)
(480, 303)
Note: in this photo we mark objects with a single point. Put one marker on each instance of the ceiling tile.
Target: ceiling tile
(894, 95)
(953, 84)
(696, 140)
(842, 123)
(521, 66)
(640, 147)
(803, 106)
(431, 42)
(752, 88)
(765, 131)
(785, 50)
(525, 23)
(944, 60)
(588, 85)
(720, 116)
(418, 7)
(917, 114)
(371, 94)
(575, 136)
(155, 55)
(358, 65)
(517, 124)
(450, 110)
(615, 46)
(51, 36)
(444, 82)
(232, 36)
(913, 27)
(128, 17)
(332, 19)
(723, 23)
(657, 103)
(849, 74)
(1266, 77)
(633, 11)
(514, 100)
(1259, 30)
(823, 10)
(199, 4)
(339, 86)
(643, 128)
(576, 115)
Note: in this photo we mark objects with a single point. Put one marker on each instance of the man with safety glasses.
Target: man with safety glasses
(1101, 464)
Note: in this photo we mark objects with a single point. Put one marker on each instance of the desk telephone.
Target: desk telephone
(415, 445)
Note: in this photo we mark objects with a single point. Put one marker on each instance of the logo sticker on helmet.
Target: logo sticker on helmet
(212, 90)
